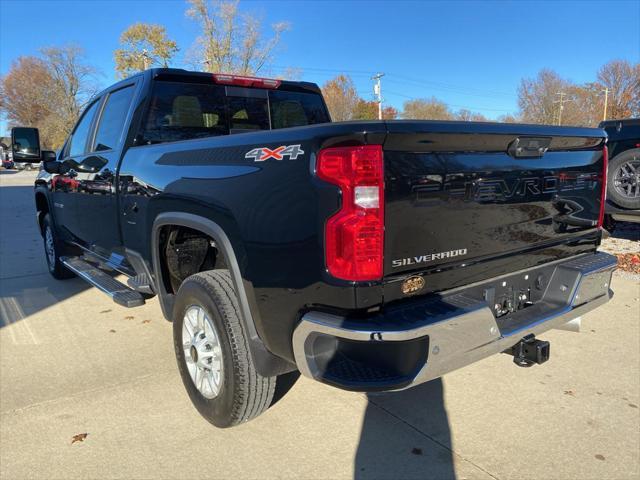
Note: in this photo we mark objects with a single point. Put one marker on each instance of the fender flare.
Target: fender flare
(41, 189)
(266, 363)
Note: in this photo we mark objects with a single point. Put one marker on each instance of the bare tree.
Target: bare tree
(466, 115)
(231, 42)
(508, 118)
(550, 99)
(623, 80)
(48, 92)
(426, 109)
(74, 83)
(144, 45)
(341, 98)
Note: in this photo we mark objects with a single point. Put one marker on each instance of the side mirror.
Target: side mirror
(50, 164)
(25, 145)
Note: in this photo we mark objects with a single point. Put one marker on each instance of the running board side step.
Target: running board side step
(119, 293)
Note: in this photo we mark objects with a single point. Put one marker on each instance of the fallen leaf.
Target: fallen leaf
(78, 438)
(569, 392)
(105, 311)
(112, 331)
(146, 321)
(629, 262)
(599, 457)
(129, 317)
(632, 405)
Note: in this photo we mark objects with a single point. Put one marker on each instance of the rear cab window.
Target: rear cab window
(183, 110)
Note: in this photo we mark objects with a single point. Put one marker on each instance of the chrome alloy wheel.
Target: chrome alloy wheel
(202, 351)
(49, 247)
(627, 179)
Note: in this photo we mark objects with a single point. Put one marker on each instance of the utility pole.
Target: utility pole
(561, 106)
(606, 99)
(377, 91)
(145, 58)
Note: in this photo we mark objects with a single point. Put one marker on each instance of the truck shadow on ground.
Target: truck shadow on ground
(626, 231)
(383, 451)
(23, 297)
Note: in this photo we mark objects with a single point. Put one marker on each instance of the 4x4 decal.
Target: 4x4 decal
(263, 153)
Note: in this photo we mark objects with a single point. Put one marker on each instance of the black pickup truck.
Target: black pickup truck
(623, 191)
(370, 256)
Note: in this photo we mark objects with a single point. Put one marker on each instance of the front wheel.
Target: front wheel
(212, 351)
(53, 249)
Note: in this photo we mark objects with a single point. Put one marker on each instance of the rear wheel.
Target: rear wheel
(54, 248)
(212, 351)
(623, 184)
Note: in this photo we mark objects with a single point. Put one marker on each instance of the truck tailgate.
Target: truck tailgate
(463, 195)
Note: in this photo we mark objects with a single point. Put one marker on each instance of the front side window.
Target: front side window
(78, 141)
(112, 119)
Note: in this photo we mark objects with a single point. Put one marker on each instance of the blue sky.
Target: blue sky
(470, 54)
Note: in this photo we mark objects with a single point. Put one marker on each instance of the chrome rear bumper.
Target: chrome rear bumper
(403, 348)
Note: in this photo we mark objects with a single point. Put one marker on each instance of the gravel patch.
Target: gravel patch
(624, 239)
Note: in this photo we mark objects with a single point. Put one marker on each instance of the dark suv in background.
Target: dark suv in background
(623, 186)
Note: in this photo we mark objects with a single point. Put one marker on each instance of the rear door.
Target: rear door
(460, 195)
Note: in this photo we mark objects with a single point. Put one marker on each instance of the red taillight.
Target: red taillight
(241, 81)
(354, 237)
(603, 193)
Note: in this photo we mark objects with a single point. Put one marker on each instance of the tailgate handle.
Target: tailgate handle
(529, 147)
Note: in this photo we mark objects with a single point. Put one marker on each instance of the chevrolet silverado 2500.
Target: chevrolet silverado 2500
(370, 256)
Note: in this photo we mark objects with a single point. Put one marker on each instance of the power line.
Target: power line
(403, 79)
(452, 104)
(453, 88)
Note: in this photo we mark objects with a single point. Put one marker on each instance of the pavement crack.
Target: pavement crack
(433, 439)
(78, 394)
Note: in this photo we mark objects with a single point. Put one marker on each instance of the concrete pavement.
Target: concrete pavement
(72, 362)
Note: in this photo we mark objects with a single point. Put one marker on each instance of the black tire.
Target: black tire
(616, 164)
(244, 393)
(609, 223)
(56, 268)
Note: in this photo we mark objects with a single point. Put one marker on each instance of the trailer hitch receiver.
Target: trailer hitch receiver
(530, 350)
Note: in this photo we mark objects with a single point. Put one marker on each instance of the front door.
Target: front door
(65, 186)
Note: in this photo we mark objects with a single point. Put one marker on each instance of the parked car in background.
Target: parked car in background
(7, 163)
(623, 179)
(5, 156)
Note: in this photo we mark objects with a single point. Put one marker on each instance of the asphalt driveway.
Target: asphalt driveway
(72, 362)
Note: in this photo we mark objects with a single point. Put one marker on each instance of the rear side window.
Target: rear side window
(296, 109)
(78, 141)
(182, 111)
(113, 118)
